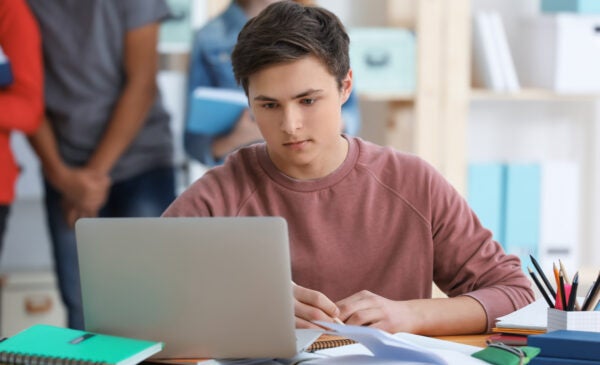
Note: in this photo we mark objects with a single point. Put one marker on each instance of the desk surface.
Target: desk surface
(473, 340)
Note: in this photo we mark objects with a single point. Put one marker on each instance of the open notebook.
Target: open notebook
(206, 287)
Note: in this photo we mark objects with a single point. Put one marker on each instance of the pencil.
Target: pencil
(563, 295)
(591, 295)
(338, 321)
(564, 272)
(573, 295)
(544, 278)
(540, 287)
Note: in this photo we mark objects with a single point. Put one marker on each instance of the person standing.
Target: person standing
(21, 91)
(105, 146)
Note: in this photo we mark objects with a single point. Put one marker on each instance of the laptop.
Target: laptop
(206, 287)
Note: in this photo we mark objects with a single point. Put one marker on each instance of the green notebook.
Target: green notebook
(44, 344)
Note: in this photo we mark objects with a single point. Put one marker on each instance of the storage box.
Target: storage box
(383, 60)
(573, 320)
(29, 298)
(577, 6)
(560, 52)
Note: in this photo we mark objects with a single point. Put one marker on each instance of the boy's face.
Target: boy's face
(297, 107)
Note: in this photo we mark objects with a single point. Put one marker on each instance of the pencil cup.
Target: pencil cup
(573, 320)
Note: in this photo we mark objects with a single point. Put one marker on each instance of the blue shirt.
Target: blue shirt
(210, 66)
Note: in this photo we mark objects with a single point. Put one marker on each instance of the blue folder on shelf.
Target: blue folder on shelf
(214, 111)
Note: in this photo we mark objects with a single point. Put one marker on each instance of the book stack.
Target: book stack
(566, 347)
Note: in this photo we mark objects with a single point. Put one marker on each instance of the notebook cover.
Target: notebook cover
(57, 342)
(214, 111)
(542, 360)
(565, 344)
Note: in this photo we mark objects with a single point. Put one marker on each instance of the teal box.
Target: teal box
(383, 60)
(572, 6)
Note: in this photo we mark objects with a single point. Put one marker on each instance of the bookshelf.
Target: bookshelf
(446, 118)
(432, 122)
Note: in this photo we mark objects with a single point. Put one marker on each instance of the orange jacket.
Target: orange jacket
(21, 103)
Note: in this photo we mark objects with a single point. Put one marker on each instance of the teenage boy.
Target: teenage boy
(370, 227)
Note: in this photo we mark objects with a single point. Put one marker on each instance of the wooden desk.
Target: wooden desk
(473, 340)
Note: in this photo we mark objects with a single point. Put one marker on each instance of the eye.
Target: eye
(308, 101)
(269, 105)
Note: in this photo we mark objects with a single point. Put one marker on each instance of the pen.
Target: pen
(544, 278)
(563, 295)
(540, 287)
(587, 302)
(573, 295)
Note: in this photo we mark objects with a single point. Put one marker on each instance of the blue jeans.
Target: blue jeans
(144, 195)
(4, 210)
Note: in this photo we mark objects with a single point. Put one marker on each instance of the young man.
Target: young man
(370, 228)
(210, 66)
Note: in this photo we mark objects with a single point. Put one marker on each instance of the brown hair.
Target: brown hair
(287, 31)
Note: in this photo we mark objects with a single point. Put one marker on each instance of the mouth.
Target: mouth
(296, 144)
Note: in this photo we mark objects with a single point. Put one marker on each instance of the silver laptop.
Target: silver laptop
(206, 287)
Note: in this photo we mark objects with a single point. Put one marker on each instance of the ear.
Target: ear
(347, 83)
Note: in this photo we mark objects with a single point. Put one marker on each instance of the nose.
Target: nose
(291, 120)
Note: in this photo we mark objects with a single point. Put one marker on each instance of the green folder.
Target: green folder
(42, 343)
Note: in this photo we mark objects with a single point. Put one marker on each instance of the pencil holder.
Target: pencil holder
(573, 320)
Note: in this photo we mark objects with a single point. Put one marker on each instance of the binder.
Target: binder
(45, 344)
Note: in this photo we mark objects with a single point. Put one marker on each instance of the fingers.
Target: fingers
(311, 305)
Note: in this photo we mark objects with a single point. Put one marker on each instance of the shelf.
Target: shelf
(387, 97)
(530, 95)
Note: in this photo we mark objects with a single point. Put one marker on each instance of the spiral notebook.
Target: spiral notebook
(45, 344)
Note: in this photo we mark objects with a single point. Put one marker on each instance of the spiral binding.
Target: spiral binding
(17, 358)
(329, 341)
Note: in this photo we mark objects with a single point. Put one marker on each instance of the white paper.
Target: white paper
(532, 316)
(378, 347)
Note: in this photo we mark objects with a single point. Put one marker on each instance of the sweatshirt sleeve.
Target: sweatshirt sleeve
(22, 101)
(468, 261)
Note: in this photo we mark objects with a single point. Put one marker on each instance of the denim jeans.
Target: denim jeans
(144, 195)
(4, 209)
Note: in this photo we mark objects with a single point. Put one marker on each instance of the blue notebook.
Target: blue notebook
(563, 344)
(542, 360)
(214, 111)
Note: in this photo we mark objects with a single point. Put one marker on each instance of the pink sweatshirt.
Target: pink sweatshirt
(384, 221)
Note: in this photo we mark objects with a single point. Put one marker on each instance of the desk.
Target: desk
(473, 340)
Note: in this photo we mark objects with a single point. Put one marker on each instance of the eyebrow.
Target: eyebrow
(297, 96)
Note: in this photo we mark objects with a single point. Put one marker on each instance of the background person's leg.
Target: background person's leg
(66, 263)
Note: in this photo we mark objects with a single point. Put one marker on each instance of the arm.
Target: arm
(137, 97)
(211, 150)
(22, 102)
(459, 315)
(351, 115)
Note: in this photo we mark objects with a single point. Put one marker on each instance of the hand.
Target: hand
(243, 133)
(368, 309)
(246, 128)
(85, 190)
(311, 305)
